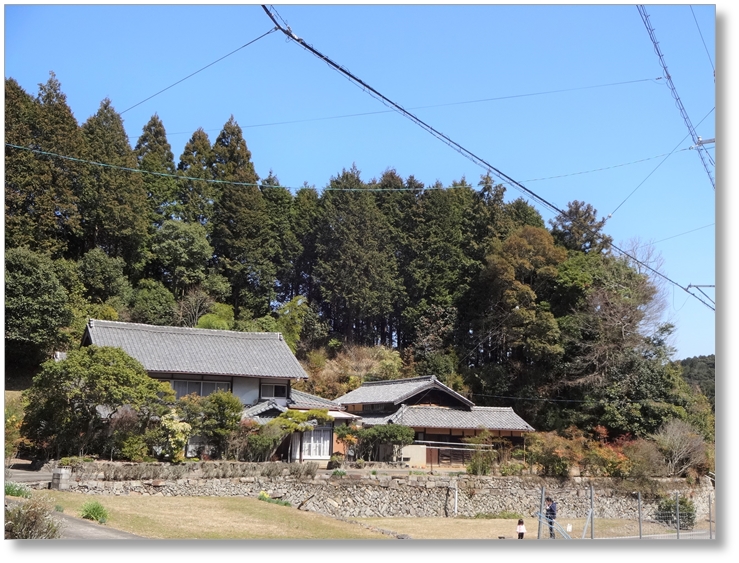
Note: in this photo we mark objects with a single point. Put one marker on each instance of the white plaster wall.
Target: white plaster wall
(246, 389)
(417, 455)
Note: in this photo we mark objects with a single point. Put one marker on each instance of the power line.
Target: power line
(607, 167)
(660, 164)
(456, 146)
(704, 43)
(197, 71)
(678, 102)
(362, 114)
(675, 236)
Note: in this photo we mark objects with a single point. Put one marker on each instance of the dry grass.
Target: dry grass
(486, 529)
(213, 518)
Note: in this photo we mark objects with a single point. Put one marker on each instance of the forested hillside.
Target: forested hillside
(450, 280)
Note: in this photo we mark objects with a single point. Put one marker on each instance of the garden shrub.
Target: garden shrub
(272, 469)
(17, 490)
(511, 468)
(301, 470)
(93, 510)
(31, 520)
(134, 448)
(667, 514)
(338, 473)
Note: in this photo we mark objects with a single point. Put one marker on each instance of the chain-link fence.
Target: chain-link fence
(670, 517)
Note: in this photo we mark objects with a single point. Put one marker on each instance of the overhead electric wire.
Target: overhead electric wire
(362, 114)
(678, 235)
(660, 164)
(678, 101)
(197, 71)
(459, 148)
(704, 42)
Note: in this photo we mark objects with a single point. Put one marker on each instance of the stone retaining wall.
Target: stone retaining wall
(415, 495)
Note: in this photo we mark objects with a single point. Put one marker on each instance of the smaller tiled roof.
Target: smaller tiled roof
(303, 400)
(396, 391)
(169, 349)
(491, 418)
(261, 411)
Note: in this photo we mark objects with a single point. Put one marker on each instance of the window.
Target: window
(201, 388)
(316, 444)
(270, 391)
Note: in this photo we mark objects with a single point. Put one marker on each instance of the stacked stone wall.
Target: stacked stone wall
(354, 496)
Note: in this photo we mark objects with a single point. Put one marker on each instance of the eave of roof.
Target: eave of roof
(397, 391)
(181, 350)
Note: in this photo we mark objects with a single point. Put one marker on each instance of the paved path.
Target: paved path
(73, 528)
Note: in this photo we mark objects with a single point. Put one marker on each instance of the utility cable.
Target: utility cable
(704, 43)
(660, 164)
(197, 71)
(678, 102)
(675, 236)
(362, 114)
(471, 156)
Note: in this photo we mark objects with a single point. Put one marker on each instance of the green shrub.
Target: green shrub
(266, 498)
(134, 448)
(667, 514)
(93, 510)
(481, 462)
(31, 520)
(17, 490)
(58, 508)
(511, 468)
(338, 473)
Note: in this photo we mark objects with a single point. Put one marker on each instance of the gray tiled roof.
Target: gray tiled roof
(492, 418)
(167, 349)
(395, 391)
(255, 411)
(301, 399)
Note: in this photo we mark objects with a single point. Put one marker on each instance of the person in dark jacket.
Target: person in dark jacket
(551, 514)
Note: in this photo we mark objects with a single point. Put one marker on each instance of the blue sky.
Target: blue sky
(569, 100)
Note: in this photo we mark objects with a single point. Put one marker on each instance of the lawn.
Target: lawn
(213, 518)
(248, 518)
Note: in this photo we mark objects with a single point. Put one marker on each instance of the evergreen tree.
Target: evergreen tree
(36, 307)
(113, 202)
(357, 271)
(181, 254)
(154, 154)
(284, 247)
(195, 198)
(41, 200)
(577, 228)
(304, 221)
(241, 234)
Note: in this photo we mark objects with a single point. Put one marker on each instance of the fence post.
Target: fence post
(677, 512)
(638, 499)
(541, 511)
(592, 514)
(710, 518)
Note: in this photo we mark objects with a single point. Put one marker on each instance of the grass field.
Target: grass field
(212, 518)
(248, 518)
